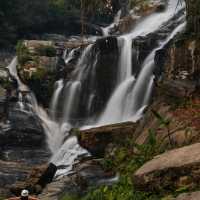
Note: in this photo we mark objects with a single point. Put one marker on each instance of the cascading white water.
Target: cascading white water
(59, 86)
(66, 151)
(68, 57)
(106, 30)
(13, 71)
(73, 89)
(125, 62)
(127, 102)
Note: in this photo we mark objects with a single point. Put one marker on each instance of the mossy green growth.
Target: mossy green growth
(6, 84)
(75, 132)
(23, 53)
(123, 190)
(46, 50)
(127, 157)
(141, 3)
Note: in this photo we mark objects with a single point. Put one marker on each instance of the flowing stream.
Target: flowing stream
(127, 100)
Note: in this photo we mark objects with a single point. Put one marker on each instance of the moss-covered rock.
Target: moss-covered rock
(37, 66)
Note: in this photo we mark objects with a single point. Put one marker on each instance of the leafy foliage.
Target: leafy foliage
(22, 18)
(22, 53)
(123, 190)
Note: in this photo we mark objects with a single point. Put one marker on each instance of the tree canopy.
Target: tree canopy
(19, 18)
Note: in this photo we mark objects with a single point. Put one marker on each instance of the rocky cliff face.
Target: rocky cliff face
(182, 61)
(193, 16)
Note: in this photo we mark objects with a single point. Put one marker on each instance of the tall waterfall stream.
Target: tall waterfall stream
(127, 101)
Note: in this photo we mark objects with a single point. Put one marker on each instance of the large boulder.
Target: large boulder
(96, 140)
(173, 169)
(41, 63)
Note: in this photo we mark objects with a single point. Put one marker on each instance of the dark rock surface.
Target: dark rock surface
(37, 179)
(22, 145)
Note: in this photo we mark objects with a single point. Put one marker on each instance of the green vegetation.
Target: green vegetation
(22, 53)
(133, 3)
(123, 190)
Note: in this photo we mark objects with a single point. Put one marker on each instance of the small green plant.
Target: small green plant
(70, 197)
(166, 123)
(22, 53)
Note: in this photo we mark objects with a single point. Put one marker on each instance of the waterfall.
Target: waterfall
(125, 62)
(68, 57)
(72, 98)
(125, 104)
(66, 151)
(53, 105)
(12, 67)
(106, 30)
(127, 101)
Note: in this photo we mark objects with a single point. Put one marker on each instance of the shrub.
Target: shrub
(22, 53)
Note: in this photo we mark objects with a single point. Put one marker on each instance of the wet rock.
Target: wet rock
(90, 173)
(54, 37)
(24, 130)
(144, 45)
(189, 196)
(2, 101)
(167, 171)
(17, 162)
(96, 140)
(105, 45)
(5, 57)
(98, 85)
(38, 178)
(161, 7)
(86, 174)
(126, 24)
(11, 172)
